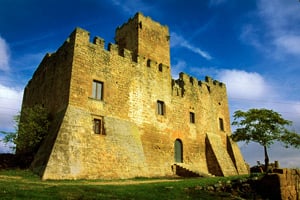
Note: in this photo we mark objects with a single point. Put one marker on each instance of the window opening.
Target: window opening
(98, 126)
(97, 90)
(148, 63)
(221, 124)
(192, 117)
(160, 107)
(160, 68)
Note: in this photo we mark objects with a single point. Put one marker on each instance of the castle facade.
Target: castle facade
(117, 112)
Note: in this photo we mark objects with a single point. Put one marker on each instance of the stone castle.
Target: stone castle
(117, 112)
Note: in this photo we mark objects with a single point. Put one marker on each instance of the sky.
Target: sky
(253, 46)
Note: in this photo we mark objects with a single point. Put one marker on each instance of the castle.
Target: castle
(117, 112)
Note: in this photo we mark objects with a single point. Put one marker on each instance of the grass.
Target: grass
(22, 184)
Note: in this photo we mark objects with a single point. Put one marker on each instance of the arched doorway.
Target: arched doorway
(178, 151)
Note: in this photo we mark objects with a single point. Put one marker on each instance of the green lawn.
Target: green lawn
(20, 184)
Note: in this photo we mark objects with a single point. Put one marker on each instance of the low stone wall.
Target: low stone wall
(289, 183)
(281, 184)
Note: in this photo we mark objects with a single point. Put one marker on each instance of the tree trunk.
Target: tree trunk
(266, 159)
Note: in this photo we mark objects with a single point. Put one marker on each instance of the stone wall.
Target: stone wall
(281, 184)
(143, 36)
(289, 180)
(137, 141)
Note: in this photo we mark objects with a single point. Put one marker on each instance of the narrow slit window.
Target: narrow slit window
(221, 124)
(148, 63)
(97, 90)
(160, 67)
(160, 107)
(192, 117)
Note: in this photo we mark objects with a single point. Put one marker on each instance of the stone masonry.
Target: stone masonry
(117, 112)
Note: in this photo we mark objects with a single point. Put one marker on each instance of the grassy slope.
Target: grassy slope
(18, 184)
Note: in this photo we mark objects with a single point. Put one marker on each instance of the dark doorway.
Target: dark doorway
(178, 151)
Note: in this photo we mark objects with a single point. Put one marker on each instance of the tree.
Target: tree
(31, 127)
(263, 126)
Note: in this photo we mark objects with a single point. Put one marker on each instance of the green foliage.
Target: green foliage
(264, 127)
(31, 127)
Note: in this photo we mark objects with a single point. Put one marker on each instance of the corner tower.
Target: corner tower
(145, 37)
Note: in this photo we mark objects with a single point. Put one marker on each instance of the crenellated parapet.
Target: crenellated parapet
(185, 83)
(81, 38)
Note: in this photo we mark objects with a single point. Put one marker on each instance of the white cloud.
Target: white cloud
(250, 34)
(250, 90)
(177, 40)
(282, 24)
(280, 16)
(291, 43)
(277, 29)
(4, 55)
(10, 105)
(244, 85)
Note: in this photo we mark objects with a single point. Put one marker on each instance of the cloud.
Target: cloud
(280, 16)
(4, 55)
(10, 105)
(177, 40)
(250, 34)
(278, 29)
(244, 85)
(291, 43)
(251, 90)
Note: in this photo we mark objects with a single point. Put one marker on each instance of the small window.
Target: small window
(192, 117)
(160, 68)
(98, 126)
(221, 124)
(160, 107)
(97, 90)
(148, 63)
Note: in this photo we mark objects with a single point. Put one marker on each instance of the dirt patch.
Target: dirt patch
(10, 177)
(129, 182)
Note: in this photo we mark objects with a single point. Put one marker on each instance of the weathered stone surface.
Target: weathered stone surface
(136, 140)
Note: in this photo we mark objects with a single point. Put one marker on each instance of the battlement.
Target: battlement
(136, 18)
(82, 37)
(186, 81)
(144, 36)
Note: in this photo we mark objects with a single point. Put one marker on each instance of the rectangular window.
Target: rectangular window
(192, 117)
(221, 124)
(97, 90)
(98, 126)
(160, 107)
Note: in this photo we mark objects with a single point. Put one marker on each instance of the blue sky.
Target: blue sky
(253, 46)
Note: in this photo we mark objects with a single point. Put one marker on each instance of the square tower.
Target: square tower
(145, 37)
